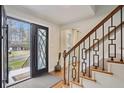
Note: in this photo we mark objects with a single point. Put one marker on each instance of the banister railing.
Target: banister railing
(95, 28)
(105, 37)
(83, 58)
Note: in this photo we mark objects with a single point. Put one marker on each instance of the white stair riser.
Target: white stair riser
(105, 80)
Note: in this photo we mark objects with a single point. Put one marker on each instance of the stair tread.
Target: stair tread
(66, 86)
(60, 84)
(77, 83)
(100, 70)
(118, 62)
(87, 77)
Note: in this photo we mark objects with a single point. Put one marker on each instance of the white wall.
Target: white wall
(53, 31)
(86, 25)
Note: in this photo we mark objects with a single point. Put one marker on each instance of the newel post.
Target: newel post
(64, 56)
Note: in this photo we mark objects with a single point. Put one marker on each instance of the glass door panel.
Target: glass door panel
(41, 49)
(18, 50)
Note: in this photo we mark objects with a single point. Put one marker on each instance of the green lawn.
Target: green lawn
(16, 64)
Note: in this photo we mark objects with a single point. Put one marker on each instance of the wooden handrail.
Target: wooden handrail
(105, 37)
(95, 28)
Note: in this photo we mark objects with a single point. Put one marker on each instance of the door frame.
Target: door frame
(0, 46)
(3, 47)
(30, 49)
(34, 31)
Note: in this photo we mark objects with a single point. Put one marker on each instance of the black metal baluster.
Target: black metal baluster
(103, 47)
(89, 56)
(96, 49)
(84, 70)
(64, 56)
(121, 35)
(74, 61)
(112, 38)
(84, 57)
(69, 70)
(79, 64)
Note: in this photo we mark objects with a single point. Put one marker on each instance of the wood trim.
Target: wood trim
(95, 28)
(101, 71)
(117, 62)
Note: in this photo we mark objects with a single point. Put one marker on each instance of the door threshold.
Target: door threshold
(9, 85)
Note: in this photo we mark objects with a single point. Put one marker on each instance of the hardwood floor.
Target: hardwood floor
(60, 84)
(58, 74)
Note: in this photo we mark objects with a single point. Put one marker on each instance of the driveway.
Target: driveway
(18, 58)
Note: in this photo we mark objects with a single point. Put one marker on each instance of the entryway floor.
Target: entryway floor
(44, 81)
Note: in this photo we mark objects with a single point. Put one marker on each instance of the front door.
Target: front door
(40, 48)
(18, 50)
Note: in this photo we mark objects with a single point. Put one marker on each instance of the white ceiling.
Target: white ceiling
(60, 14)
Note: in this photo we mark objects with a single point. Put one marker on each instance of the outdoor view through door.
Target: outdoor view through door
(18, 50)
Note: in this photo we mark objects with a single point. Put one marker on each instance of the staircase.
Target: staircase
(97, 59)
